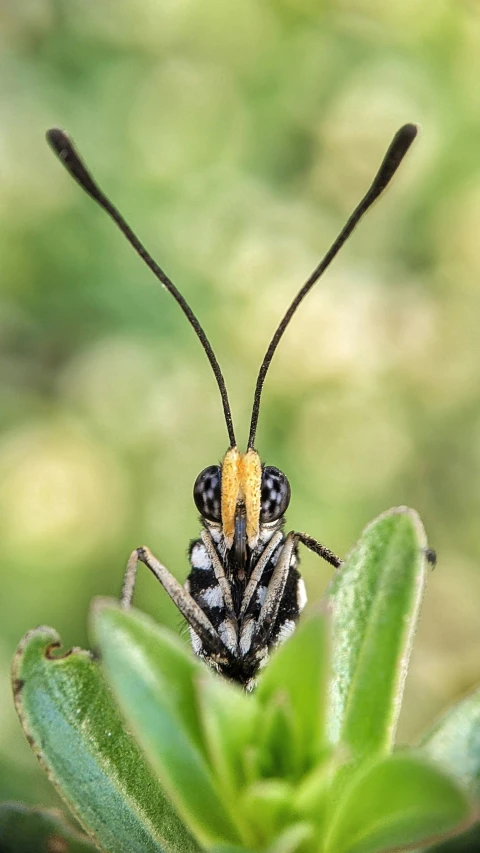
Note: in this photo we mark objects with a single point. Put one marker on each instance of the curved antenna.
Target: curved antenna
(65, 151)
(396, 152)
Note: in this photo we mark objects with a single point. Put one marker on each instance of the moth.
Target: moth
(244, 593)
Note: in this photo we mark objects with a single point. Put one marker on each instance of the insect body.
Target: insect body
(244, 574)
(244, 593)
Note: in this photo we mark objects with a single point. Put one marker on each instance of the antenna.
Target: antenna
(65, 151)
(399, 146)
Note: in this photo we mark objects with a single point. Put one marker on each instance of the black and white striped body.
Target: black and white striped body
(241, 626)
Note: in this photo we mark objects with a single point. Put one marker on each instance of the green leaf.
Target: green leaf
(396, 802)
(230, 721)
(268, 805)
(313, 793)
(153, 677)
(79, 737)
(293, 839)
(296, 678)
(454, 742)
(24, 829)
(275, 738)
(228, 848)
(466, 842)
(374, 600)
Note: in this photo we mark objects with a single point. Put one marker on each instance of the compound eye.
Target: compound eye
(275, 494)
(207, 493)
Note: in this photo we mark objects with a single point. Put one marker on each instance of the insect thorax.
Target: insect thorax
(247, 640)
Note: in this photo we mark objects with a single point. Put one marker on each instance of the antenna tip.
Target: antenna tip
(403, 139)
(407, 133)
(409, 130)
(58, 140)
(63, 147)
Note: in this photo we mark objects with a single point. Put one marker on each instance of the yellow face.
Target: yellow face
(241, 484)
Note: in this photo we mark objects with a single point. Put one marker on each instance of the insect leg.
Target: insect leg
(129, 580)
(275, 590)
(219, 572)
(187, 605)
(335, 561)
(258, 570)
(319, 549)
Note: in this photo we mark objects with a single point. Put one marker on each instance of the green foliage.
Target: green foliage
(304, 764)
(24, 830)
(375, 602)
(79, 737)
(235, 137)
(455, 741)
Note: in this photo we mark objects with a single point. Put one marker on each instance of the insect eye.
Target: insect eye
(275, 494)
(207, 493)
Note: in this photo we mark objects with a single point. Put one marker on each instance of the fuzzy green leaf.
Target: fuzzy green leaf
(228, 848)
(154, 679)
(454, 742)
(398, 801)
(268, 805)
(79, 737)
(275, 737)
(24, 829)
(230, 721)
(296, 678)
(374, 600)
(294, 839)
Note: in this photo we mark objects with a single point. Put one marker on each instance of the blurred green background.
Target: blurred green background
(236, 137)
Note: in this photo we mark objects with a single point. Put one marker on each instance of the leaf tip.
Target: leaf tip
(415, 520)
(42, 640)
(101, 608)
(104, 602)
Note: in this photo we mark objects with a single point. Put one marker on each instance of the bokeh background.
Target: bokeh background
(236, 138)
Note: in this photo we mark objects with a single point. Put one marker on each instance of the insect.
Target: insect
(244, 593)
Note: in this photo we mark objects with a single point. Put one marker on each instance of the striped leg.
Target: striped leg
(187, 606)
(319, 549)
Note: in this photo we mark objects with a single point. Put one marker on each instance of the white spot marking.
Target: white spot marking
(286, 631)
(301, 594)
(228, 635)
(215, 533)
(197, 644)
(199, 557)
(261, 593)
(212, 596)
(267, 532)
